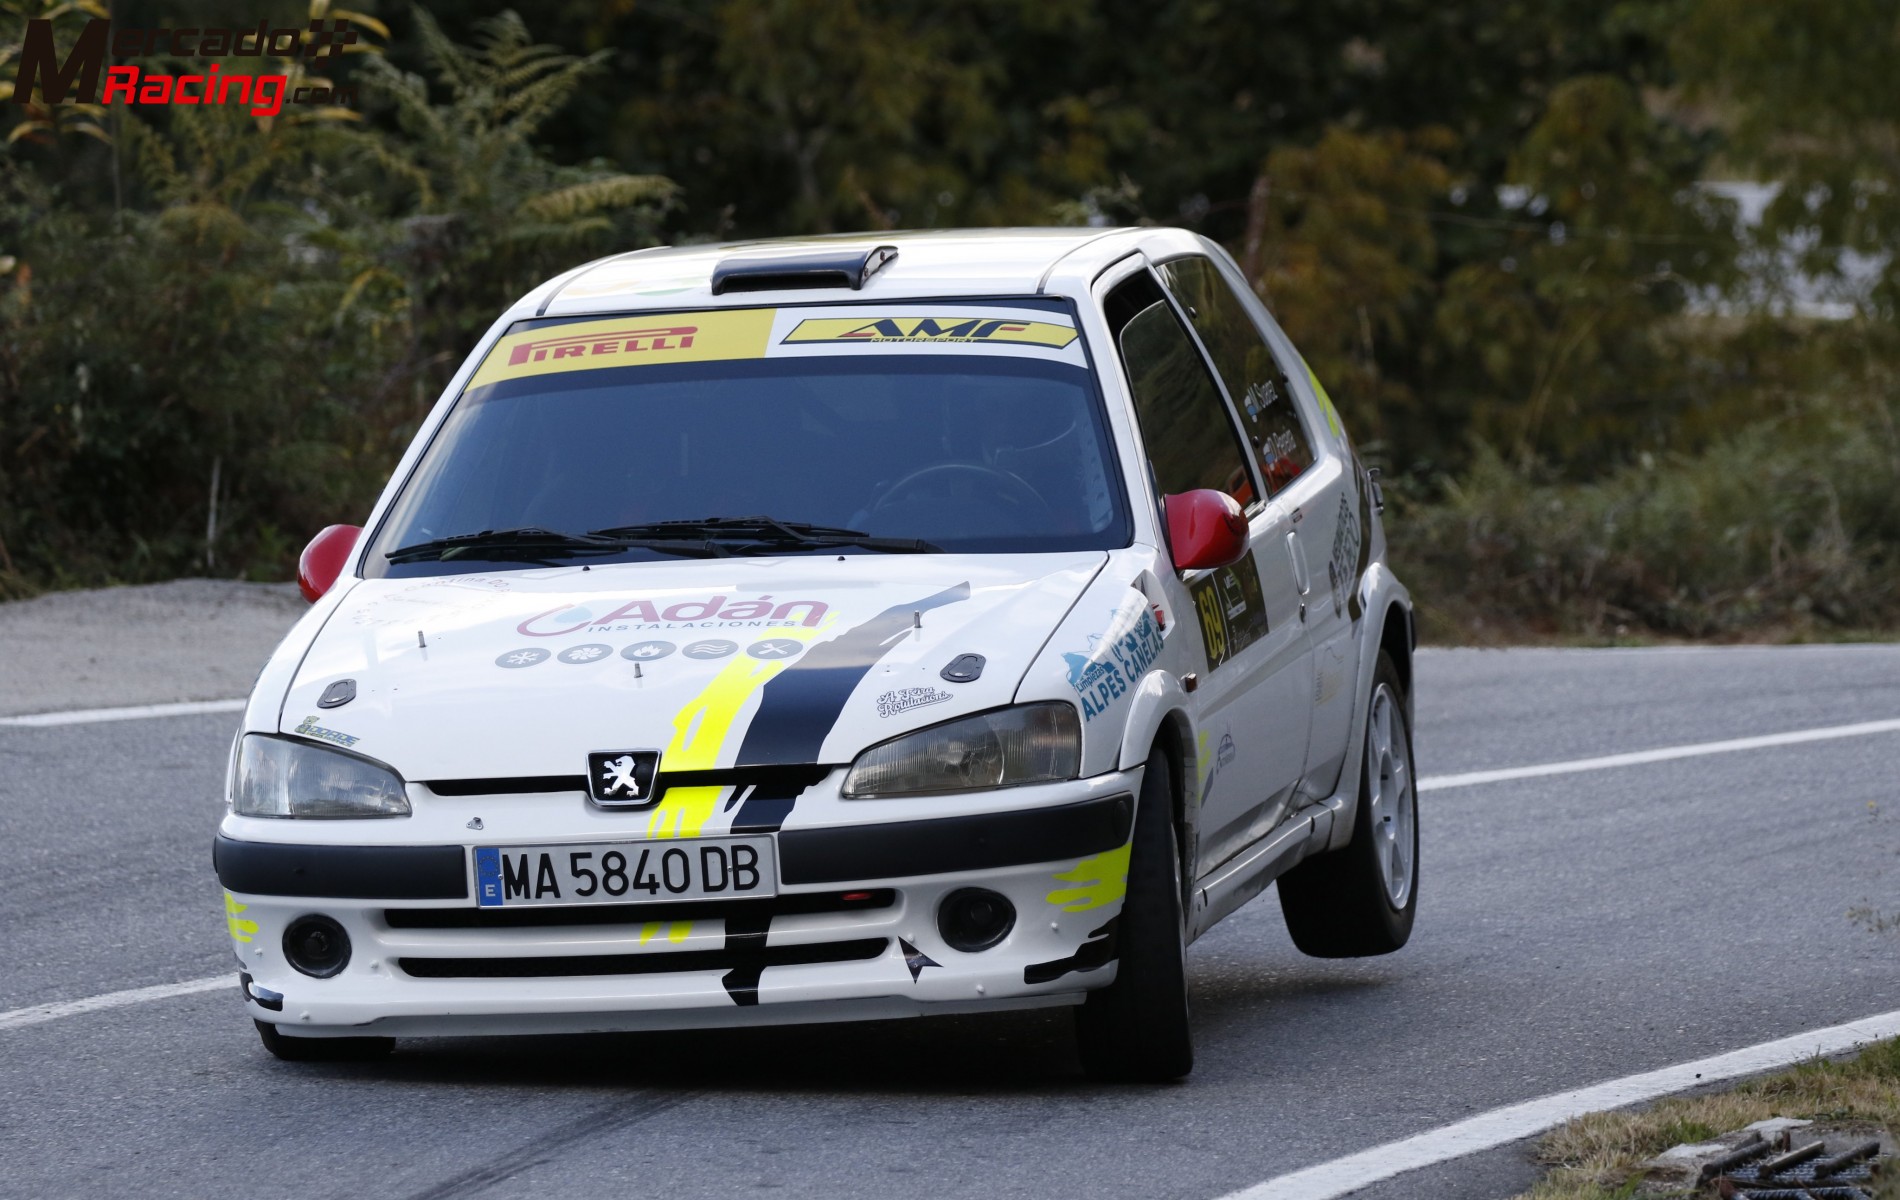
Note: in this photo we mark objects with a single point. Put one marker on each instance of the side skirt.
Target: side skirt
(1247, 874)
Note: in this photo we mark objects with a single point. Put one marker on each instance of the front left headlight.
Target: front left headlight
(1030, 743)
(278, 777)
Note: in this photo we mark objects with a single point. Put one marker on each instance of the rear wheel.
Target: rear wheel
(306, 1049)
(1360, 900)
(1136, 1029)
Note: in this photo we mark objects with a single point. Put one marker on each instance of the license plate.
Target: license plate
(625, 872)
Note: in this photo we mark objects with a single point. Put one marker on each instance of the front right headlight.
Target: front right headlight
(1029, 743)
(278, 777)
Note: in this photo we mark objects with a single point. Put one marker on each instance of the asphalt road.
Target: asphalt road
(1571, 929)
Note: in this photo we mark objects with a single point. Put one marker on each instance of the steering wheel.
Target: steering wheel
(1009, 493)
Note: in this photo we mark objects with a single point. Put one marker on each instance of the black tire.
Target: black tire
(1340, 904)
(1136, 1029)
(303, 1049)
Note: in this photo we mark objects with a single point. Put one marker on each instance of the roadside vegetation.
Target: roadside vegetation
(1600, 1157)
(1599, 415)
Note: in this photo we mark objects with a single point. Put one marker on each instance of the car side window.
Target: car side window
(1190, 439)
(1247, 366)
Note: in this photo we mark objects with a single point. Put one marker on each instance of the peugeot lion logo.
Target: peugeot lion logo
(618, 778)
(622, 778)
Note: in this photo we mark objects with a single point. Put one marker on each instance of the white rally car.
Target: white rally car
(827, 630)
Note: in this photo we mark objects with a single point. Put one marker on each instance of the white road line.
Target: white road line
(37, 1013)
(86, 716)
(1432, 783)
(1502, 1125)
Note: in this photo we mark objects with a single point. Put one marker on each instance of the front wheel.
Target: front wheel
(1136, 1029)
(1360, 900)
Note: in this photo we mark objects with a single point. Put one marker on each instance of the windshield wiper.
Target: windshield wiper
(531, 544)
(768, 532)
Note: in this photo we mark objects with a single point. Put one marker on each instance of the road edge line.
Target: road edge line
(36, 1014)
(1500, 1126)
(87, 716)
(1433, 783)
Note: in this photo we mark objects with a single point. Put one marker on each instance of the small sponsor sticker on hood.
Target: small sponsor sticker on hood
(311, 729)
(902, 700)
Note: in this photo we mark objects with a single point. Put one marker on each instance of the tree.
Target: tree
(1806, 95)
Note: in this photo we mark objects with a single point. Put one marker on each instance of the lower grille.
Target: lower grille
(857, 950)
(797, 904)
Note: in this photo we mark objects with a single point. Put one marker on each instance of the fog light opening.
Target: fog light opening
(973, 919)
(317, 946)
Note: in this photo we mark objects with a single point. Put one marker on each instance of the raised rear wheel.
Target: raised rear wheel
(1360, 900)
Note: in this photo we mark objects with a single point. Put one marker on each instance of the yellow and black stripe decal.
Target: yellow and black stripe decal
(799, 707)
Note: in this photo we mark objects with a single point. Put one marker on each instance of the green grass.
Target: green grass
(1599, 1157)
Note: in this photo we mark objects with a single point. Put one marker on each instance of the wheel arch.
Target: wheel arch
(1396, 634)
(1159, 717)
(1398, 637)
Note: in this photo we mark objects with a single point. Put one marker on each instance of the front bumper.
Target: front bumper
(853, 933)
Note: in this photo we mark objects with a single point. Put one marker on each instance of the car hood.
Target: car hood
(733, 662)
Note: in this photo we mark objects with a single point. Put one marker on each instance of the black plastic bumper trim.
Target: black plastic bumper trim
(662, 963)
(342, 872)
(977, 842)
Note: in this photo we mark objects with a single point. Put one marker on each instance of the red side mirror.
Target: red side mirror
(324, 559)
(1207, 529)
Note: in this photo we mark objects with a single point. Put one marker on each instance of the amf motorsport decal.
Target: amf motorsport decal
(932, 329)
(1117, 658)
(1232, 614)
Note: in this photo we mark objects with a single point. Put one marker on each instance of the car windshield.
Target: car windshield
(957, 429)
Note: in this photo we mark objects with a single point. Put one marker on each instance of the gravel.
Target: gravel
(190, 639)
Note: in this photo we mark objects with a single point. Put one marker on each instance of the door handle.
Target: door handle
(1301, 578)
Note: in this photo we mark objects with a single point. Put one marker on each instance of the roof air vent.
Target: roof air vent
(822, 269)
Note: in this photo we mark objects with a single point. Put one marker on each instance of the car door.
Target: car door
(1308, 469)
(1251, 696)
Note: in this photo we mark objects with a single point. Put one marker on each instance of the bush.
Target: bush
(1787, 526)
